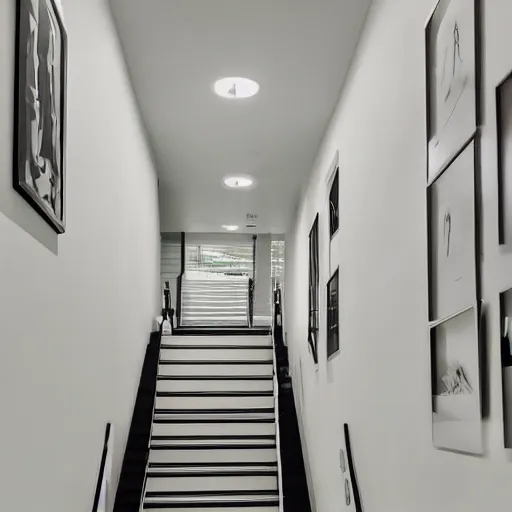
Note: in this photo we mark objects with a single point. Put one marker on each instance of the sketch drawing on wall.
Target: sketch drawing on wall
(452, 238)
(451, 81)
(39, 162)
(456, 402)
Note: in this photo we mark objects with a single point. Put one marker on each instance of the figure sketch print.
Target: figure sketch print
(40, 109)
(451, 75)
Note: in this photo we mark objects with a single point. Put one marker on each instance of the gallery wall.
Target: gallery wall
(379, 383)
(75, 310)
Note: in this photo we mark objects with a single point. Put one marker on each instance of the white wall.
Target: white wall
(380, 383)
(75, 311)
(262, 304)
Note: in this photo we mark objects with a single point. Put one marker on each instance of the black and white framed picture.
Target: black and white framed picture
(504, 122)
(506, 364)
(314, 280)
(334, 204)
(40, 109)
(104, 493)
(452, 80)
(452, 238)
(456, 397)
(333, 329)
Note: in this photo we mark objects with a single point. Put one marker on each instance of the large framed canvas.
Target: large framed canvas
(452, 80)
(504, 125)
(456, 396)
(40, 109)
(333, 327)
(452, 238)
(313, 295)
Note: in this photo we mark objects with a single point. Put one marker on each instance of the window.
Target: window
(333, 331)
(334, 207)
(313, 289)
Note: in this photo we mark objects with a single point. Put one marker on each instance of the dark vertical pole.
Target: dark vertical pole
(180, 277)
(252, 282)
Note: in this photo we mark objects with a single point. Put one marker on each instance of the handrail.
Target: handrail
(278, 430)
(143, 494)
(250, 300)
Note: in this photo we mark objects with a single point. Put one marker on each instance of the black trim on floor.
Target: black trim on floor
(214, 394)
(252, 492)
(197, 447)
(194, 421)
(216, 347)
(215, 377)
(248, 410)
(154, 465)
(200, 362)
(219, 331)
(213, 438)
(219, 505)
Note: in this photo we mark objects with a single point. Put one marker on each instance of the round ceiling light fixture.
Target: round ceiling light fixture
(230, 228)
(239, 181)
(236, 88)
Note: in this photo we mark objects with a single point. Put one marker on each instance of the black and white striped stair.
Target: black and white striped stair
(213, 441)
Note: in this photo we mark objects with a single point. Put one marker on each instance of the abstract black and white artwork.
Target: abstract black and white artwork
(451, 80)
(333, 329)
(456, 400)
(40, 109)
(452, 238)
(504, 122)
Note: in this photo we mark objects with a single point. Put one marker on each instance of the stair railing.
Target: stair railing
(278, 430)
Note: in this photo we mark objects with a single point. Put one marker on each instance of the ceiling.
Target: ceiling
(297, 50)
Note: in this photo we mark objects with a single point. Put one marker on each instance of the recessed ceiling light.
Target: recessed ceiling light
(239, 181)
(236, 88)
(230, 228)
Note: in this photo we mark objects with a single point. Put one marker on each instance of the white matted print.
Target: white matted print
(452, 81)
(456, 409)
(452, 238)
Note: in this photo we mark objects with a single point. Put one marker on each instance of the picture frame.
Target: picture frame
(504, 140)
(314, 285)
(456, 383)
(334, 204)
(39, 162)
(452, 236)
(333, 328)
(103, 484)
(506, 364)
(452, 39)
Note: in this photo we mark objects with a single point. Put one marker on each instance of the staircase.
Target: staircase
(214, 302)
(215, 436)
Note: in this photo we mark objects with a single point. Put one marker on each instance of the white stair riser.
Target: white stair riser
(218, 340)
(215, 385)
(211, 402)
(217, 455)
(216, 354)
(212, 483)
(215, 369)
(214, 429)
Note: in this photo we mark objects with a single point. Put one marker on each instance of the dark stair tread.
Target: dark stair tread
(212, 438)
(163, 465)
(214, 394)
(177, 447)
(194, 421)
(252, 492)
(215, 377)
(216, 347)
(227, 362)
(248, 410)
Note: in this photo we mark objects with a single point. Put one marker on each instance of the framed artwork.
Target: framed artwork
(102, 493)
(452, 80)
(504, 121)
(352, 501)
(456, 397)
(40, 109)
(334, 206)
(314, 280)
(506, 364)
(452, 238)
(333, 330)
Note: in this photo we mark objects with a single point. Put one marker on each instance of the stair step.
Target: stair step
(214, 429)
(259, 454)
(216, 394)
(217, 368)
(214, 354)
(211, 507)
(222, 338)
(215, 402)
(160, 482)
(261, 386)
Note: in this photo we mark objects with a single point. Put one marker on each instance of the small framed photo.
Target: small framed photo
(456, 397)
(452, 238)
(506, 364)
(504, 122)
(333, 327)
(452, 80)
